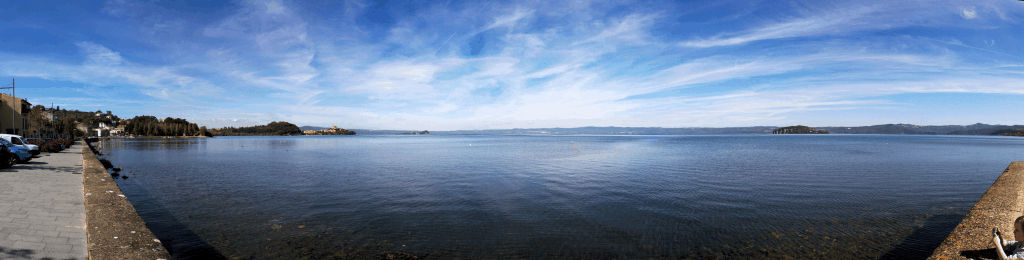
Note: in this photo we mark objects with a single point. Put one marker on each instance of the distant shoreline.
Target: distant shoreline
(907, 129)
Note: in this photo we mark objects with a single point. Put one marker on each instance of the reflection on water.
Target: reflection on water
(731, 196)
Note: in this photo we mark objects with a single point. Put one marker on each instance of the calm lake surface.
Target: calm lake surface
(511, 197)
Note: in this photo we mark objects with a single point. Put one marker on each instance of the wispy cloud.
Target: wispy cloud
(97, 55)
(851, 19)
(543, 64)
(838, 22)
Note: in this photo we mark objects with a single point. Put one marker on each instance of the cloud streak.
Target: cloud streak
(502, 65)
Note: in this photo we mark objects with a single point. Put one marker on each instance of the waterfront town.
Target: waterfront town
(19, 117)
(49, 197)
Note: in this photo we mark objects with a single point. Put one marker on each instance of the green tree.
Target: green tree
(37, 121)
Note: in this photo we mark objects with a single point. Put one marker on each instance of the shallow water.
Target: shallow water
(730, 196)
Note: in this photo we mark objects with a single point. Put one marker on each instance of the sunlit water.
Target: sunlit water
(486, 197)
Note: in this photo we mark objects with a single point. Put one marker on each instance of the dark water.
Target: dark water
(585, 197)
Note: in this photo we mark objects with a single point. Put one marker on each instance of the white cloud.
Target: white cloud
(509, 20)
(395, 80)
(829, 23)
(121, 8)
(98, 55)
(968, 13)
(548, 65)
(854, 17)
(631, 30)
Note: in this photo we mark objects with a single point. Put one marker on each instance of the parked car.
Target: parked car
(21, 153)
(7, 159)
(18, 140)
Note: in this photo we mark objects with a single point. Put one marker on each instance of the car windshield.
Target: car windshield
(6, 143)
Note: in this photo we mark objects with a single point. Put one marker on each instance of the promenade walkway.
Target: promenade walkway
(41, 208)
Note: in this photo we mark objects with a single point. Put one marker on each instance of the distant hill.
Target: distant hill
(992, 130)
(892, 129)
(612, 130)
(380, 132)
(305, 128)
(1010, 132)
(907, 129)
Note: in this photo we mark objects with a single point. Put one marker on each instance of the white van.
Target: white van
(18, 140)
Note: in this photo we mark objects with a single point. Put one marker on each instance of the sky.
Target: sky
(462, 65)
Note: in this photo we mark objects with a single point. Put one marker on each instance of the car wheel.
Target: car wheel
(12, 160)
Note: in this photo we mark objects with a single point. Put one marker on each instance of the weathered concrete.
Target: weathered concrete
(1001, 204)
(41, 208)
(114, 229)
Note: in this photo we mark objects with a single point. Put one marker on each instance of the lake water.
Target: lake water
(512, 197)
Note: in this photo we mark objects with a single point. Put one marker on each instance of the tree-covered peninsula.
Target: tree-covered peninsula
(334, 130)
(273, 128)
(798, 129)
(151, 126)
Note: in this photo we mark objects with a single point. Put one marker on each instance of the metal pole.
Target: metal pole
(14, 113)
(14, 98)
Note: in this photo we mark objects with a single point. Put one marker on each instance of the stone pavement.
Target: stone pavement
(41, 208)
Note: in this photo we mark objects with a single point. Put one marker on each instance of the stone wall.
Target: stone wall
(114, 229)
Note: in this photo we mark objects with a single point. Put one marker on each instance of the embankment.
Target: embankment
(1001, 204)
(114, 229)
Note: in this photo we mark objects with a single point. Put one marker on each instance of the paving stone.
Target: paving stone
(82, 249)
(61, 256)
(28, 245)
(6, 243)
(47, 233)
(26, 238)
(20, 231)
(42, 227)
(42, 210)
(58, 247)
(76, 241)
(55, 240)
(71, 228)
(14, 225)
(72, 234)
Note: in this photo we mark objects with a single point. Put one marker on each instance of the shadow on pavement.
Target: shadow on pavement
(9, 253)
(980, 254)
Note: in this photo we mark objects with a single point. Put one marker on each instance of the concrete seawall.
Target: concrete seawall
(1001, 204)
(113, 229)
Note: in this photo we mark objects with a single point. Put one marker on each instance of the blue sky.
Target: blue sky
(447, 65)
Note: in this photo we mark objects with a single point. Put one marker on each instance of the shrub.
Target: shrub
(49, 147)
(66, 142)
